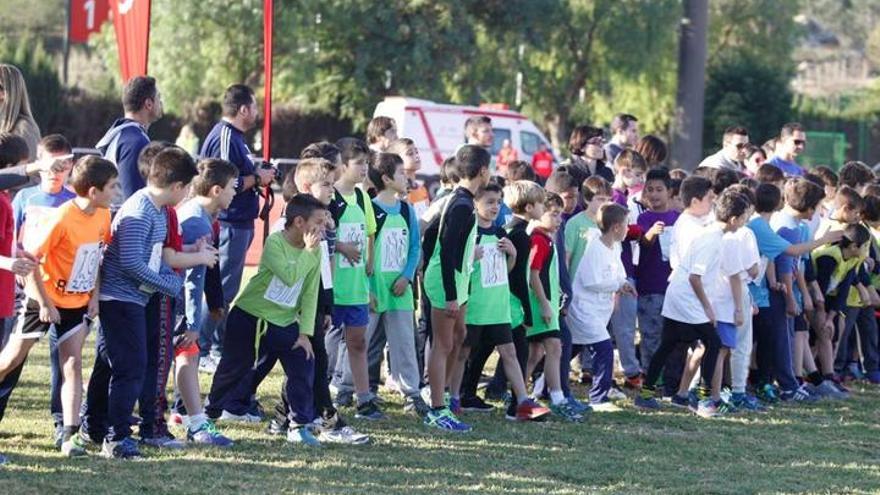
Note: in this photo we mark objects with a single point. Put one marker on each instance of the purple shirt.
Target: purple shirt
(652, 273)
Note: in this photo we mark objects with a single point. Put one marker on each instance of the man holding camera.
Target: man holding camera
(227, 141)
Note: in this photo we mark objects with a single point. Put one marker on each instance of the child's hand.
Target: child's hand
(216, 314)
(305, 344)
(208, 255)
(478, 252)
(92, 309)
(312, 238)
(22, 266)
(808, 304)
(831, 236)
(790, 307)
(656, 229)
(328, 221)
(350, 251)
(754, 310)
(626, 288)
(452, 309)
(869, 264)
(738, 317)
(49, 313)
(710, 313)
(399, 286)
(546, 312)
(190, 337)
(372, 303)
(505, 246)
(328, 322)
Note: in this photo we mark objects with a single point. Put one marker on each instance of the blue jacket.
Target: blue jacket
(122, 144)
(226, 142)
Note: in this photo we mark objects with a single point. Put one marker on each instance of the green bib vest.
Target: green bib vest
(489, 301)
(350, 286)
(553, 295)
(391, 251)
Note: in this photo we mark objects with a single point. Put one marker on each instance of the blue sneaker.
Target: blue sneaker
(679, 401)
(855, 370)
(126, 448)
(873, 377)
(767, 393)
(694, 400)
(564, 411)
(746, 402)
(643, 401)
(443, 419)
(578, 406)
(303, 435)
(208, 434)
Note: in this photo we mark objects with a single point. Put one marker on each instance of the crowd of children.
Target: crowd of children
(733, 289)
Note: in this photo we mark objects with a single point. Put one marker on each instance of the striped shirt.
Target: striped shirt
(133, 267)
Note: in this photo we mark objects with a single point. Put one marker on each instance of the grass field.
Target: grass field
(829, 447)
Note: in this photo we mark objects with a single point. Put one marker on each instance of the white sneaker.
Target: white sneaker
(616, 394)
(345, 435)
(606, 407)
(241, 418)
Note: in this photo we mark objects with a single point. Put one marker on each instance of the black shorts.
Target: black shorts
(490, 335)
(541, 337)
(29, 325)
(800, 323)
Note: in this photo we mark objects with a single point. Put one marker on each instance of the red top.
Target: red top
(174, 238)
(541, 248)
(542, 162)
(7, 278)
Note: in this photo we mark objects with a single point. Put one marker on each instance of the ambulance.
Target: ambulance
(438, 130)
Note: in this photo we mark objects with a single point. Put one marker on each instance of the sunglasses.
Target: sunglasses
(800, 142)
(740, 146)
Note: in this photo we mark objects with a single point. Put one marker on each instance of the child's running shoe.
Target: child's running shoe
(873, 377)
(475, 404)
(444, 419)
(633, 382)
(679, 401)
(767, 393)
(616, 394)
(417, 405)
(564, 411)
(241, 418)
(725, 407)
(746, 402)
(646, 400)
(580, 407)
(343, 435)
(694, 400)
(74, 447)
(529, 410)
(827, 389)
(855, 370)
(369, 410)
(208, 434)
(799, 394)
(123, 449)
(162, 439)
(58, 436)
(303, 435)
(708, 408)
(605, 407)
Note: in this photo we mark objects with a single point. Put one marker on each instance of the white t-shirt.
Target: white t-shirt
(703, 258)
(735, 258)
(686, 229)
(599, 275)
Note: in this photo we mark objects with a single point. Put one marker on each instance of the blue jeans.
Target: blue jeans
(623, 331)
(234, 243)
(650, 326)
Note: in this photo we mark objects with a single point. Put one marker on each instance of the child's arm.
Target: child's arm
(370, 249)
(538, 288)
(772, 283)
(788, 284)
(21, 265)
(132, 236)
(652, 234)
(454, 232)
(805, 294)
(736, 289)
(696, 282)
(34, 285)
(205, 254)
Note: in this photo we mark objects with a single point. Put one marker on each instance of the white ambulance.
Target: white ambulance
(438, 129)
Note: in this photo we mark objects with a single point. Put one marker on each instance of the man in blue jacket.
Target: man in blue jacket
(123, 142)
(227, 141)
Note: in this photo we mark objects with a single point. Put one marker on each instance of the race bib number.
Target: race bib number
(493, 266)
(84, 272)
(351, 233)
(283, 295)
(395, 247)
(665, 239)
(156, 257)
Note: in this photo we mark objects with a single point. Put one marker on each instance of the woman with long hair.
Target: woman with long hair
(15, 108)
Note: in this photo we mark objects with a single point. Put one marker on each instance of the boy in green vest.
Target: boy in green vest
(396, 258)
(353, 261)
(544, 336)
(275, 315)
(450, 248)
(488, 317)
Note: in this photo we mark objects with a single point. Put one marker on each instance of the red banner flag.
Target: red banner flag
(87, 17)
(131, 18)
(268, 22)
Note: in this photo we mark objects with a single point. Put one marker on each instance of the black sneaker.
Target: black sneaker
(417, 405)
(277, 427)
(58, 436)
(369, 410)
(475, 404)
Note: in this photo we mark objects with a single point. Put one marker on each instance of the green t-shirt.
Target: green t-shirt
(489, 301)
(391, 251)
(285, 288)
(549, 275)
(350, 284)
(579, 230)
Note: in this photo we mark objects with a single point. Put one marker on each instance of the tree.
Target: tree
(687, 128)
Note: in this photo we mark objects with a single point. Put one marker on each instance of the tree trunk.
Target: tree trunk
(687, 126)
(557, 129)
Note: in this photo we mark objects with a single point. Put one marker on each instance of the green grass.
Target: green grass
(830, 447)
